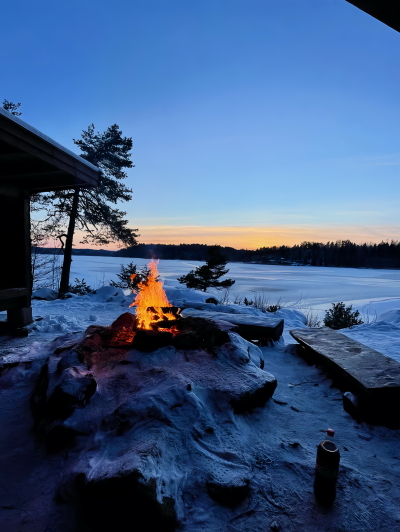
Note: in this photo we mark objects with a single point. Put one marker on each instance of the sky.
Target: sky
(254, 122)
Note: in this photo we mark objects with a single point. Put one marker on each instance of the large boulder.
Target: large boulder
(149, 430)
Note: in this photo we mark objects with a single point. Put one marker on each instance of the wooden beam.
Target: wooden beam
(52, 186)
(10, 293)
(15, 178)
(44, 181)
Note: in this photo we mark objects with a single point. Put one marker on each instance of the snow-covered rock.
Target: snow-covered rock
(181, 293)
(107, 294)
(56, 323)
(47, 294)
(162, 425)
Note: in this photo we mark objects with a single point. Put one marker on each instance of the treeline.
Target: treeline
(343, 253)
(181, 252)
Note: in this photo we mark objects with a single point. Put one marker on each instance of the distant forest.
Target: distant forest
(343, 253)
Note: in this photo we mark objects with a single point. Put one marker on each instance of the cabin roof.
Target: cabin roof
(32, 161)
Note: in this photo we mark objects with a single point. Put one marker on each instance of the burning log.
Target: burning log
(172, 312)
(151, 302)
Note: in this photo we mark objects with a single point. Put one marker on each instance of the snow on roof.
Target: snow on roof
(38, 133)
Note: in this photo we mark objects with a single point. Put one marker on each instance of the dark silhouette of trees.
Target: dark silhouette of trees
(342, 254)
(208, 275)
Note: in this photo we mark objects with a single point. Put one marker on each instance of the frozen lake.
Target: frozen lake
(300, 286)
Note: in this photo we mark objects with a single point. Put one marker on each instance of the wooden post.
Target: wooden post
(15, 262)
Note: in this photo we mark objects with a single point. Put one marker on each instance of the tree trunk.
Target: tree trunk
(64, 283)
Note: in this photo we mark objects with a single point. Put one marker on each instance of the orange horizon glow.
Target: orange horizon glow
(254, 237)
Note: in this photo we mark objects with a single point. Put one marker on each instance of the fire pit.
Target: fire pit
(156, 324)
(153, 398)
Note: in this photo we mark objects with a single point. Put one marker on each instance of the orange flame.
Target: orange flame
(150, 300)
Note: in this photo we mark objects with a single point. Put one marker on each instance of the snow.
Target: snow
(54, 323)
(178, 292)
(45, 293)
(106, 294)
(382, 335)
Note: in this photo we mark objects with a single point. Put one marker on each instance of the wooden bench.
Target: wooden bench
(372, 376)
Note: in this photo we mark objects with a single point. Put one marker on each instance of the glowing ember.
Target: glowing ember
(125, 335)
(151, 302)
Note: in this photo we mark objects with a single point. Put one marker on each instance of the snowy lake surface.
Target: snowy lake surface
(302, 287)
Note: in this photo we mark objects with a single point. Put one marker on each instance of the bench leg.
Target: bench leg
(19, 317)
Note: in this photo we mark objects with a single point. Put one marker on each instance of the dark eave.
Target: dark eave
(387, 11)
(34, 162)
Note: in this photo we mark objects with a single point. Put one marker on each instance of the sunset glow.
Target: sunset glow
(256, 237)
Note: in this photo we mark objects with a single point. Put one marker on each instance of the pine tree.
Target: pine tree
(207, 276)
(125, 277)
(89, 210)
(341, 317)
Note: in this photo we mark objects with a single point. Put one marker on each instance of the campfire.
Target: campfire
(152, 305)
(157, 324)
(154, 315)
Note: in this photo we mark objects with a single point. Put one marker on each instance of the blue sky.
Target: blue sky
(254, 122)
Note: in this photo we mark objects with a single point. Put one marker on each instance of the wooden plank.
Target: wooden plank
(367, 370)
(15, 269)
(43, 181)
(15, 178)
(250, 327)
(10, 293)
